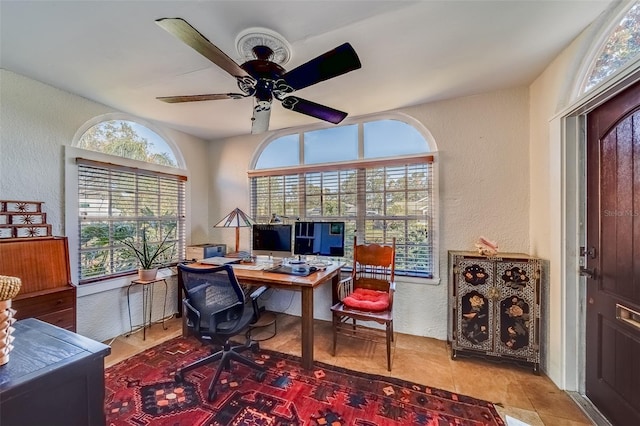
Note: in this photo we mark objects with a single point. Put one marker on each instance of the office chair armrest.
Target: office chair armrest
(258, 292)
(255, 295)
(345, 288)
(193, 316)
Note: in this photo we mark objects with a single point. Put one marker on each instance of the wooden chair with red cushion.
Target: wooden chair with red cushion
(367, 296)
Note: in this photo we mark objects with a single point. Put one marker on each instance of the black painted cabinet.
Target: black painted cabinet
(495, 306)
(53, 377)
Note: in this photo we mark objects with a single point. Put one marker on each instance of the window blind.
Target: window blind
(115, 202)
(376, 200)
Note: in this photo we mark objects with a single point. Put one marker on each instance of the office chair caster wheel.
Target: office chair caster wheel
(212, 395)
(255, 348)
(261, 375)
(179, 377)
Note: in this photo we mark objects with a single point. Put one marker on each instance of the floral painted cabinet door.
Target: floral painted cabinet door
(495, 306)
(475, 313)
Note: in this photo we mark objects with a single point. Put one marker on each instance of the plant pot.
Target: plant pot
(147, 274)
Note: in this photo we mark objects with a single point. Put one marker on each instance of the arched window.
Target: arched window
(376, 175)
(618, 49)
(128, 139)
(128, 190)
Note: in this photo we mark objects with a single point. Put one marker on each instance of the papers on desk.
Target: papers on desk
(249, 266)
(219, 261)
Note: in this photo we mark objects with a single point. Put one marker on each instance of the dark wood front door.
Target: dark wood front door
(613, 258)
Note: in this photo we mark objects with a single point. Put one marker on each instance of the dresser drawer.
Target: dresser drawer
(65, 318)
(37, 305)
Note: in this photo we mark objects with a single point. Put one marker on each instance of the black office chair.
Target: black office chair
(216, 309)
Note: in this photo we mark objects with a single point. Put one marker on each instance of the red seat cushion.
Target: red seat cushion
(367, 300)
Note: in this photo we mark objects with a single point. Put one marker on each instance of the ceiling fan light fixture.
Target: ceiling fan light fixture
(262, 75)
(257, 36)
(261, 117)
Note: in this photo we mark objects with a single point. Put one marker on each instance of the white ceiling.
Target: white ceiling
(412, 52)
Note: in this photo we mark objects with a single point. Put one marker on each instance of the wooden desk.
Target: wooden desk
(289, 282)
(53, 377)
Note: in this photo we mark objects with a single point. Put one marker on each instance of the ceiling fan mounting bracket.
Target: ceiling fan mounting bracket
(250, 38)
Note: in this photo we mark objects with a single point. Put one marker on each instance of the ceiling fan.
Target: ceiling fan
(264, 79)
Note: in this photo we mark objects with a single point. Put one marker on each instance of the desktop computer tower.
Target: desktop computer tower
(202, 251)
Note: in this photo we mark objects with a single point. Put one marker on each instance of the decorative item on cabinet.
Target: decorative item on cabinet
(43, 267)
(23, 219)
(495, 306)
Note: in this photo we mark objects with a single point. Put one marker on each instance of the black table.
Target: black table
(53, 377)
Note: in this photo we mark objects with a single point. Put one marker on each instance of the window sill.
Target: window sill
(417, 280)
(115, 283)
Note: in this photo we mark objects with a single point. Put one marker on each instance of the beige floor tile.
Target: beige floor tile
(529, 417)
(549, 401)
(419, 367)
(127, 345)
(549, 420)
(492, 382)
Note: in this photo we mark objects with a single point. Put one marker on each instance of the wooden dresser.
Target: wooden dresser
(43, 266)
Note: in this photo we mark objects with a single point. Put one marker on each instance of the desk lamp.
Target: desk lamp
(236, 219)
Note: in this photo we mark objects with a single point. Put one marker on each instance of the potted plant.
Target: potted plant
(150, 255)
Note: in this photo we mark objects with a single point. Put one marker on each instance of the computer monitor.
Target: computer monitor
(271, 240)
(319, 238)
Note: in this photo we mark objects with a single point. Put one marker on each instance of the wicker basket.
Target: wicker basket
(9, 287)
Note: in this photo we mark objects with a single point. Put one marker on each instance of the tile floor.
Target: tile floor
(518, 393)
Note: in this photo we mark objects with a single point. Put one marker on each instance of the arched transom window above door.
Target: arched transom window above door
(619, 47)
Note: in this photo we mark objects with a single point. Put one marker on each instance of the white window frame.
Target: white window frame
(71, 194)
(435, 240)
(109, 180)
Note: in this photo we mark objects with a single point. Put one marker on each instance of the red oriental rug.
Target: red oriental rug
(142, 391)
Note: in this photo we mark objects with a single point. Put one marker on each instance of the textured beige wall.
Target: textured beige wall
(546, 206)
(484, 190)
(555, 201)
(483, 175)
(37, 122)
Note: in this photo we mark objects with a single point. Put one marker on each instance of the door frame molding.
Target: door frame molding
(567, 142)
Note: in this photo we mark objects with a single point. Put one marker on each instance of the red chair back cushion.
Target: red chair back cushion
(365, 299)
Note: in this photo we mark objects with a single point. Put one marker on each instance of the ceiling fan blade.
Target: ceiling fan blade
(313, 109)
(181, 29)
(261, 116)
(196, 98)
(331, 64)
